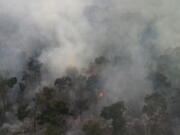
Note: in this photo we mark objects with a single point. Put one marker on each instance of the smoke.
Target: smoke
(52, 30)
(61, 34)
(136, 32)
(69, 33)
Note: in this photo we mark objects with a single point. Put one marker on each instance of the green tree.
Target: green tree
(51, 112)
(116, 113)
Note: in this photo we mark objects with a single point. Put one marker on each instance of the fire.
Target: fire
(101, 94)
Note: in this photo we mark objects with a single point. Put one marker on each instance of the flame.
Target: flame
(101, 94)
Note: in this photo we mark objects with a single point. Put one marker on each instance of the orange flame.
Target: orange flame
(101, 94)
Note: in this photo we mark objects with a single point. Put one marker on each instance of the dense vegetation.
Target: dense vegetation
(70, 105)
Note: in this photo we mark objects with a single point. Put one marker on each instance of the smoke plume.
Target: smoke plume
(72, 33)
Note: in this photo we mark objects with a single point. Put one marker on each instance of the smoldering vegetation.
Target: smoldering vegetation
(90, 67)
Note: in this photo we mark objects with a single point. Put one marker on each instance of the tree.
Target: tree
(54, 130)
(52, 112)
(116, 113)
(5, 85)
(159, 81)
(101, 60)
(175, 105)
(93, 127)
(63, 83)
(22, 111)
(11, 82)
(155, 109)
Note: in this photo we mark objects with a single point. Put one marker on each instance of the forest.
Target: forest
(89, 67)
(73, 103)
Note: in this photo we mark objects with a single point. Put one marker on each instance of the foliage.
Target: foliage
(22, 111)
(155, 109)
(54, 130)
(53, 113)
(93, 127)
(116, 113)
(155, 105)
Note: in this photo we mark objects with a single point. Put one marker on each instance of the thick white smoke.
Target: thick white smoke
(30, 26)
(71, 33)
